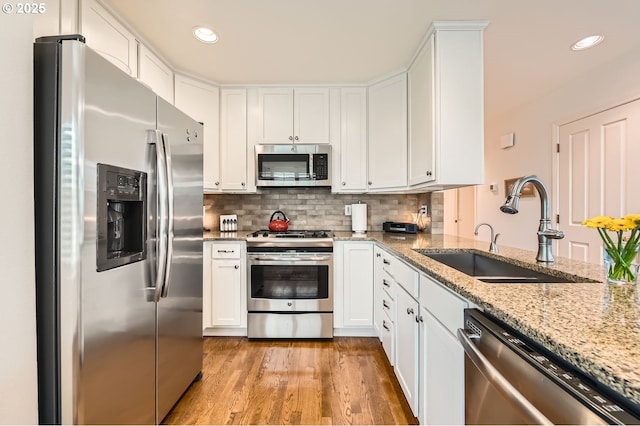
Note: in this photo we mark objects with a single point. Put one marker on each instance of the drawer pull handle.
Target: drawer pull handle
(419, 318)
(409, 311)
(226, 251)
(385, 304)
(384, 324)
(385, 283)
(386, 262)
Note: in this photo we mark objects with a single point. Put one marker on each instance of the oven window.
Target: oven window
(283, 166)
(289, 282)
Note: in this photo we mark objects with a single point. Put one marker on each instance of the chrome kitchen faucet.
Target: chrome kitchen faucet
(545, 232)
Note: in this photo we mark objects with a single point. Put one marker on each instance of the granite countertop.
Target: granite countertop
(593, 325)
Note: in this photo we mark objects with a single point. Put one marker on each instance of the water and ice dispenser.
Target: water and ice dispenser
(121, 216)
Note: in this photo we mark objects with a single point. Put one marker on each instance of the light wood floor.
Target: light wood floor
(347, 380)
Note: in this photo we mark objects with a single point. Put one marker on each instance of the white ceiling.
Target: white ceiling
(356, 41)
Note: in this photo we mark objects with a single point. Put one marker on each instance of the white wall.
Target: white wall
(534, 153)
(18, 387)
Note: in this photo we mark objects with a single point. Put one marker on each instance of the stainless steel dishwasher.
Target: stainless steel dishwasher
(510, 380)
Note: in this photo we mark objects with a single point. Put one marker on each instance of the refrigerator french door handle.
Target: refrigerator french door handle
(170, 217)
(155, 139)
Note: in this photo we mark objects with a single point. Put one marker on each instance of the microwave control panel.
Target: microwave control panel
(321, 166)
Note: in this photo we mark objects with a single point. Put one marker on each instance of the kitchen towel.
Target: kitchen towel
(359, 218)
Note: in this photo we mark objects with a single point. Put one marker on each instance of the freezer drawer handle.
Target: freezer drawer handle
(510, 393)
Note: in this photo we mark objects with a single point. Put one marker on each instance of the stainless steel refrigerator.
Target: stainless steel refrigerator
(118, 220)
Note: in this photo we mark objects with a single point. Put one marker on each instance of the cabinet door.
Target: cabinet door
(275, 120)
(353, 141)
(108, 37)
(444, 403)
(421, 131)
(155, 73)
(227, 293)
(311, 116)
(388, 134)
(357, 285)
(202, 102)
(233, 140)
(407, 349)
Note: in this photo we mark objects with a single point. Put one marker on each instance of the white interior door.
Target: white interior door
(460, 212)
(597, 175)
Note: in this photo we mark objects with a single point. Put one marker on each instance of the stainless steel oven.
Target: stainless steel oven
(290, 285)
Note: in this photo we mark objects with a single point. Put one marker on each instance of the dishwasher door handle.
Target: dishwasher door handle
(506, 389)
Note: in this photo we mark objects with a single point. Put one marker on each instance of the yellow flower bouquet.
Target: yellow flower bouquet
(621, 250)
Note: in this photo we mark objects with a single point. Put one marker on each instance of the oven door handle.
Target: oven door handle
(508, 391)
(291, 258)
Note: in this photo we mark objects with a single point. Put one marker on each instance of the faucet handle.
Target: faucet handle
(553, 234)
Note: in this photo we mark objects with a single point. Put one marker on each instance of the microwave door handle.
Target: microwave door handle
(170, 216)
(159, 237)
(506, 389)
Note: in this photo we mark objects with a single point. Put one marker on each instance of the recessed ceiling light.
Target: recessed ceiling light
(205, 35)
(587, 42)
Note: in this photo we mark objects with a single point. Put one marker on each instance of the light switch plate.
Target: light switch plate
(347, 209)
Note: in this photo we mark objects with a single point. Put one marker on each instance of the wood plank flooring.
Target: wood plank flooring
(347, 380)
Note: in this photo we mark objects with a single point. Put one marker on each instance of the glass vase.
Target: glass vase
(619, 271)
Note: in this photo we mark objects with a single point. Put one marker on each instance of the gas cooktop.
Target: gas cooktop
(291, 234)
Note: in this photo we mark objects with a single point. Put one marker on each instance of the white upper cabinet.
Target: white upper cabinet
(352, 150)
(233, 140)
(108, 37)
(155, 73)
(446, 102)
(421, 136)
(289, 115)
(387, 159)
(201, 101)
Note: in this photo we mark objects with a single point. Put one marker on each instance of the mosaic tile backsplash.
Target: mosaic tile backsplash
(320, 209)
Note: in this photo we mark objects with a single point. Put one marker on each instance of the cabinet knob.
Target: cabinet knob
(236, 267)
(386, 262)
(289, 304)
(242, 184)
(344, 183)
(370, 183)
(429, 173)
(188, 138)
(378, 254)
(290, 138)
(217, 183)
(296, 138)
(419, 318)
(409, 311)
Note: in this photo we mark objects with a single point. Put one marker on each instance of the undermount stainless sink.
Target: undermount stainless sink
(492, 270)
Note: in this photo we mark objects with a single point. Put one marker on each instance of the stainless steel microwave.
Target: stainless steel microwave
(293, 165)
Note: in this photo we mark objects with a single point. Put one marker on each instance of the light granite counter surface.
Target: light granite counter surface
(593, 325)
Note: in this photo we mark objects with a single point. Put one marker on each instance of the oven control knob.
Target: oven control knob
(255, 234)
(265, 234)
(289, 304)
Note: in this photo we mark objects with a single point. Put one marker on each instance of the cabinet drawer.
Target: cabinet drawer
(225, 251)
(407, 277)
(388, 306)
(402, 273)
(388, 285)
(446, 306)
(388, 339)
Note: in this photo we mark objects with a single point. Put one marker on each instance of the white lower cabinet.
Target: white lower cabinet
(407, 349)
(353, 296)
(441, 356)
(225, 288)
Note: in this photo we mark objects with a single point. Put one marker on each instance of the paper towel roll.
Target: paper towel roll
(359, 217)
